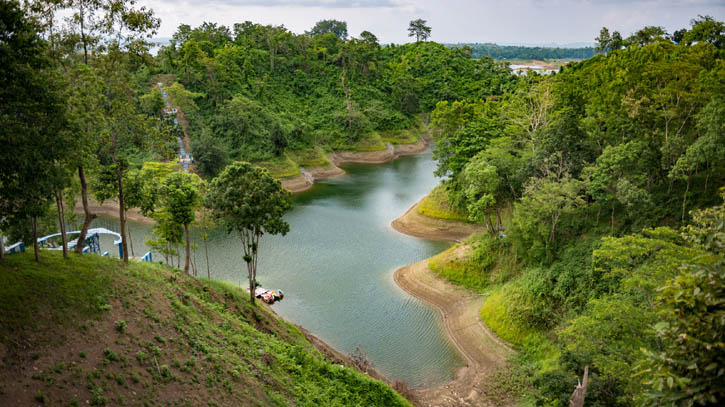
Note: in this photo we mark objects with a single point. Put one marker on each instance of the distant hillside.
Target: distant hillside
(90, 331)
(518, 52)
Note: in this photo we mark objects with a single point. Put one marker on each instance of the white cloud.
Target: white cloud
(513, 21)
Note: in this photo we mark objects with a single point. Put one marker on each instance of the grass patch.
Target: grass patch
(30, 288)
(408, 136)
(458, 266)
(313, 157)
(281, 167)
(369, 142)
(497, 313)
(437, 205)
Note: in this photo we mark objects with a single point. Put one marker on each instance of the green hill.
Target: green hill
(90, 331)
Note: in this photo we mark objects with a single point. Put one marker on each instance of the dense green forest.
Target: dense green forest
(255, 91)
(601, 185)
(602, 189)
(495, 51)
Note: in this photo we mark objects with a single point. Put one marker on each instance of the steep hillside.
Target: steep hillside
(91, 331)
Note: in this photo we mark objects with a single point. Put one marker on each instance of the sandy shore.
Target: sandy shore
(414, 224)
(110, 208)
(481, 349)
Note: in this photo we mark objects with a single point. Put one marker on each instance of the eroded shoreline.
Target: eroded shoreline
(309, 175)
(459, 308)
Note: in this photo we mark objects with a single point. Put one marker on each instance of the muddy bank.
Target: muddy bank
(483, 351)
(414, 224)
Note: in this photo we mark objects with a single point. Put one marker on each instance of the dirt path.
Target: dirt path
(482, 350)
(414, 224)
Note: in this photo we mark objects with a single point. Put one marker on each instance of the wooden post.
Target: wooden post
(577, 398)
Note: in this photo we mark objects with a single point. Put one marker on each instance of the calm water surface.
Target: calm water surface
(336, 268)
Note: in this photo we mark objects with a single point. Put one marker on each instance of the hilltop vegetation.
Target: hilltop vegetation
(257, 91)
(89, 330)
(608, 166)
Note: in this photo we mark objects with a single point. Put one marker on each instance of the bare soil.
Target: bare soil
(414, 224)
(110, 208)
(483, 352)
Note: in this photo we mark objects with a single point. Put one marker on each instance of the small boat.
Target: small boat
(268, 296)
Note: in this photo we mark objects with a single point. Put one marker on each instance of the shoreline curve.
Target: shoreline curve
(414, 224)
(309, 175)
(481, 349)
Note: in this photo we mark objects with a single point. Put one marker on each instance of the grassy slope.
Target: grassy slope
(281, 167)
(89, 330)
(436, 205)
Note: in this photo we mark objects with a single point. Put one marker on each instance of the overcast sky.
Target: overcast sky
(505, 21)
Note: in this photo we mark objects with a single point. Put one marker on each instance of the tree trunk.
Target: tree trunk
(612, 224)
(554, 221)
(2, 247)
(122, 213)
(188, 250)
(61, 221)
(599, 212)
(489, 225)
(35, 238)
(580, 392)
(87, 215)
(252, 283)
(684, 199)
(130, 240)
(206, 253)
(498, 220)
(83, 37)
(193, 259)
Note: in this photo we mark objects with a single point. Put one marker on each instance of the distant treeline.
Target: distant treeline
(515, 52)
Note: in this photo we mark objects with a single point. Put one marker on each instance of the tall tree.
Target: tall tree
(338, 28)
(248, 201)
(181, 197)
(419, 30)
(31, 119)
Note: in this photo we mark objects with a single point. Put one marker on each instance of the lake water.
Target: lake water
(336, 268)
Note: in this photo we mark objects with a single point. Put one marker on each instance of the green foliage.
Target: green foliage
(690, 369)
(463, 268)
(437, 205)
(248, 201)
(418, 29)
(335, 27)
(210, 155)
(261, 90)
(538, 213)
(280, 167)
